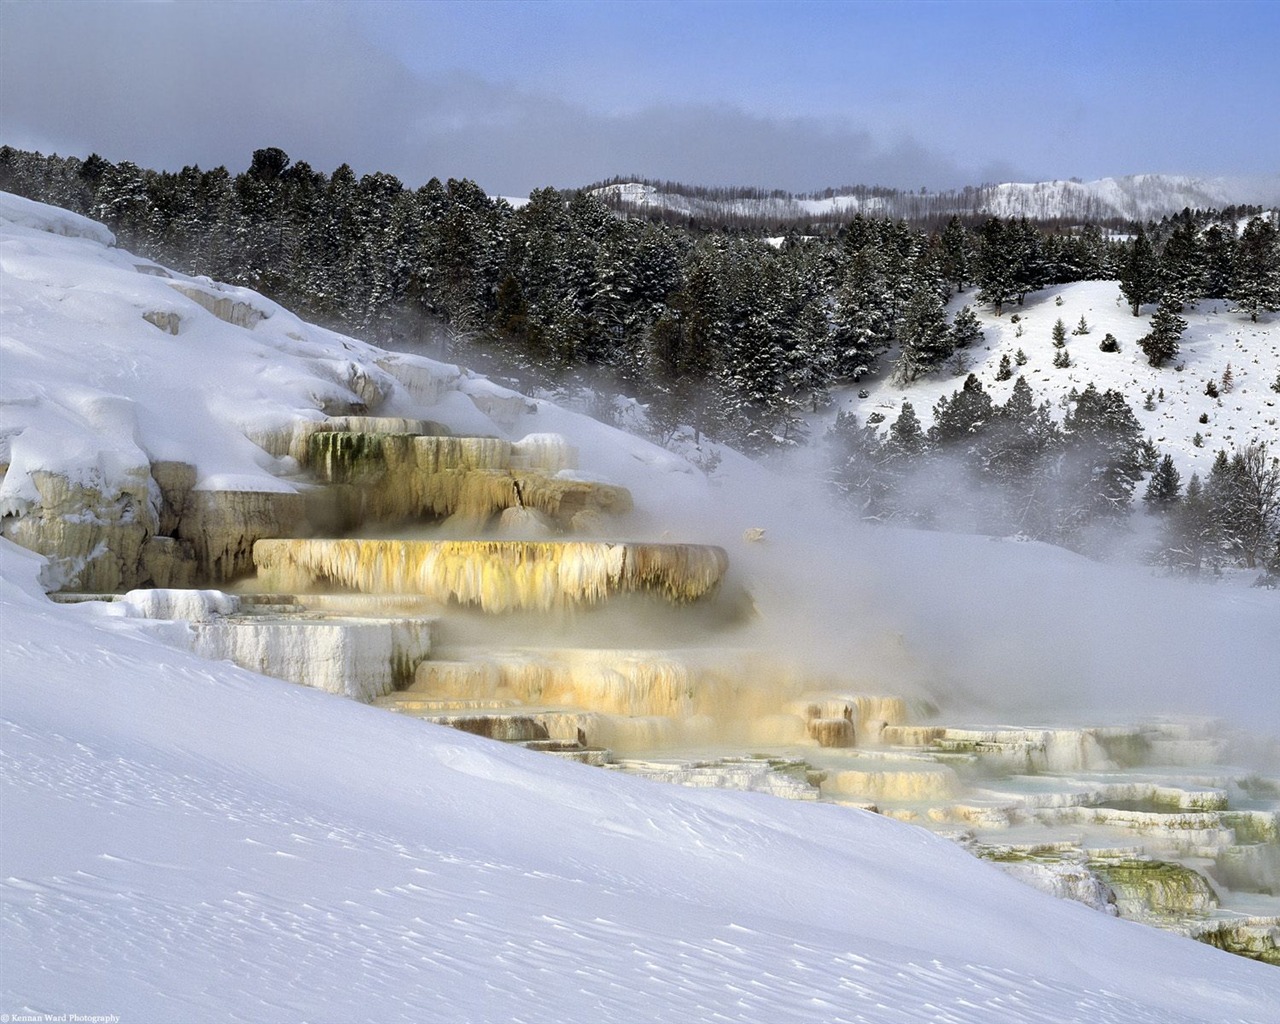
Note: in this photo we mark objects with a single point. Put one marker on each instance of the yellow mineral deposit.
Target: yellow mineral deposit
(913, 784)
(293, 437)
(394, 477)
(709, 695)
(497, 576)
(616, 682)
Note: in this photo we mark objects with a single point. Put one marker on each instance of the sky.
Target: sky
(518, 95)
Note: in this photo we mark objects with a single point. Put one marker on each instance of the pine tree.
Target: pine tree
(1219, 250)
(1059, 333)
(1109, 343)
(864, 314)
(1139, 273)
(1062, 359)
(1027, 256)
(1005, 371)
(811, 356)
(906, 437)
(1162, 492)
(1257, 283)
(955, 258)
(926, 341)
(855, 456)
(965, 330)
(1189, 542)
(1082, 327)
(1103, 447)
(994, 272)
(1020, 441)
(904, 458)
(1181, 276)
(1244, 493)
(1160, 344)
(958, 420)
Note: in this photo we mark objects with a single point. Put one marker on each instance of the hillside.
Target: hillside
(1137, 197)
(186, 839)
(1216, 337)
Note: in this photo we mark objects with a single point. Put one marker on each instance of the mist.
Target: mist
(990, 629)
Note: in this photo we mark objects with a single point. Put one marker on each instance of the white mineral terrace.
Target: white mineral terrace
(497, 576)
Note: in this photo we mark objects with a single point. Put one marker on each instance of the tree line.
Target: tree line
(1014, 469)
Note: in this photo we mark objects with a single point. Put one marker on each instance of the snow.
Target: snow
(1217, 335)
(26, 213)
(184, 839)
(1132, 197)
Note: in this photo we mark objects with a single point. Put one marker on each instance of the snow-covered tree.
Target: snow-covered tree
(959, 420)
(1103, 458)
(926, 340)
(1181, 275)
(1218, 246)
(965, 329)
(1257, 282)
(994, 270)
(906, 436)
(955, 254)
(864, 313)
(1164, 488)
(1139, 273)
(1160, 344)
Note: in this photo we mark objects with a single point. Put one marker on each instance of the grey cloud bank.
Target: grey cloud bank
(797, 96)
(169, 85)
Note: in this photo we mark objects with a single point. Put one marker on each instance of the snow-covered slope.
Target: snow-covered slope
(1217, 337)
(642, 197)
(184, 840)
(1134, 197)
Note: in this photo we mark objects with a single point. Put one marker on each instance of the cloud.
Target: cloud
(168, 85)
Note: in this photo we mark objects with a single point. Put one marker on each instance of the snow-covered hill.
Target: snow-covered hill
(647, 198)
(1134, 197)
(185, 840)
(1218, 338)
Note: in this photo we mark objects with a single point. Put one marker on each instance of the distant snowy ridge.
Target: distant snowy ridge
(1136, 196)
(1133, 197)
(649, 197)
